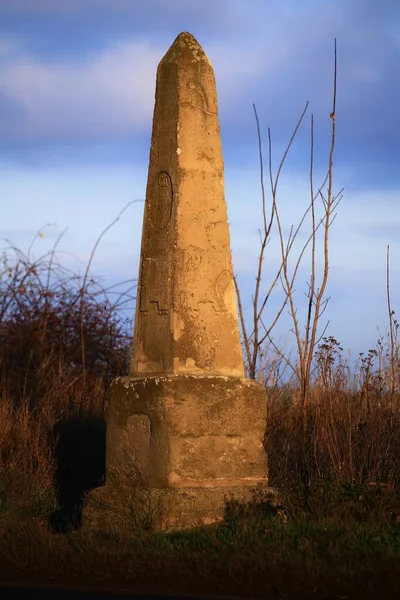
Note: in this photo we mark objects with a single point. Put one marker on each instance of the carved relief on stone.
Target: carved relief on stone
(193, 259)
(161, 204)
(152, 286)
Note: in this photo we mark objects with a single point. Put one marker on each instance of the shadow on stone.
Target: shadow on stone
(80, 456)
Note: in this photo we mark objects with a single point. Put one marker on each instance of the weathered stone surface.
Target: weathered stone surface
(130, 511)
(186, 317)
(186, 431)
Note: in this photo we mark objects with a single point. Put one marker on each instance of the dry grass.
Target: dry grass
(327, 558)
(61, 343)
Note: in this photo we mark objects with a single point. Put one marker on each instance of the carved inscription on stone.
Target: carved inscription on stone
(151, 292)
(161, 210)
(193, 259)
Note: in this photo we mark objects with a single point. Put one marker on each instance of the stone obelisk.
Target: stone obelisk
(186, 316)
(186, 426)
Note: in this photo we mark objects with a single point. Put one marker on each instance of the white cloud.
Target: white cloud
(358, 236)
(110, 93)
(86, 200)
(278, 59)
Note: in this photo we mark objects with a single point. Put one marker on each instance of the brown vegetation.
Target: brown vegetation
(333, 441)
(52, 452)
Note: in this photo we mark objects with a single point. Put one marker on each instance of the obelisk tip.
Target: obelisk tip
(185, 45)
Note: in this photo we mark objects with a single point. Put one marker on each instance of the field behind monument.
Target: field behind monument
(335, 463)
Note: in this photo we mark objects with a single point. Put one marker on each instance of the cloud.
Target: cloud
(111, 94)
(86, 200)
(101, 92)
(107, 17)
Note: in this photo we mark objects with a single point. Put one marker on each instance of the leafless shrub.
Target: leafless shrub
(62, 340)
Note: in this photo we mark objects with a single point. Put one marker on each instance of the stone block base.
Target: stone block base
(186, 431)
(130, 511)
(178, 446)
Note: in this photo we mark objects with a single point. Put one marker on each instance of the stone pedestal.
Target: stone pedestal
(178, 448)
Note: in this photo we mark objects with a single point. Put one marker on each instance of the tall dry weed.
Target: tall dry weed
(62, 341)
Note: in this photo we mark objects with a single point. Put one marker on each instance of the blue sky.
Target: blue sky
(77, 85)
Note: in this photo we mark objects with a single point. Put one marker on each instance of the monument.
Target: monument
(185, 429)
